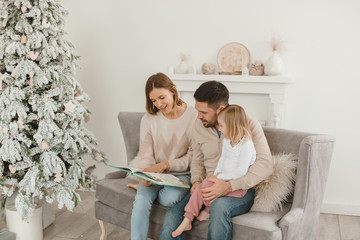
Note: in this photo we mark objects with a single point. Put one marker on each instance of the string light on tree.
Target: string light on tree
(12, 169)
(23, 8)
(44, 145)
(45, 23)
(31, 82)
(53, 43)
(5, 129)
(33, 55)
(20, 124)
(23, 39)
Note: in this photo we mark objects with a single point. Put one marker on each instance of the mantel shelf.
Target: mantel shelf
(231, 78)
(273, 86)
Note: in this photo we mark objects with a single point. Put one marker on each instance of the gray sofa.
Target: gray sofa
(297, 220)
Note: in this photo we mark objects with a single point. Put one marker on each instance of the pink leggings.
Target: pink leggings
(192, 209)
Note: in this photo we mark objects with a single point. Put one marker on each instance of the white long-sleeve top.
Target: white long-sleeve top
(235, 161)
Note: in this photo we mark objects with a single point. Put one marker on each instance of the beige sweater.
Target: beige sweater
(207, 147)
(162, 139)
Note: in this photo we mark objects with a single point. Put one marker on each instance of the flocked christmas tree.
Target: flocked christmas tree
(42, 138)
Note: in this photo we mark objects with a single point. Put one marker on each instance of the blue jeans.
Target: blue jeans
(145, 196)
(221, 211)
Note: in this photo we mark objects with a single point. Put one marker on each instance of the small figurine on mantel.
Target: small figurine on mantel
(245, 71)
(257, 68)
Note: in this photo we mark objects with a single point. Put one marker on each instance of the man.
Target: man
(210, 98)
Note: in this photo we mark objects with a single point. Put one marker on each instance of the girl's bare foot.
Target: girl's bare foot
(203, 216)
(132, 185)
(184, 226)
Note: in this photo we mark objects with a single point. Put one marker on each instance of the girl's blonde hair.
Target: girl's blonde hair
(160, 80)
(236, 122)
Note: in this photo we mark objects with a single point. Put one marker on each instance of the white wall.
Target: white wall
(123, 42)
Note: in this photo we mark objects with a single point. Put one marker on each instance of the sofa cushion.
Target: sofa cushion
(259, 225)
(114, 193)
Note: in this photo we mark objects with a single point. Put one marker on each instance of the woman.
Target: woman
(165, 135)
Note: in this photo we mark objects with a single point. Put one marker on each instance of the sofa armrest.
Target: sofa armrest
(115, 175)
(290, 219)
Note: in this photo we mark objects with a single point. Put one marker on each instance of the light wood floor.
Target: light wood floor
(81, 224)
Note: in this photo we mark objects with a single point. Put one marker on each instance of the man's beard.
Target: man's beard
(208, 124)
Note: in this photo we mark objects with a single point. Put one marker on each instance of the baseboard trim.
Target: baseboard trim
(341, 209)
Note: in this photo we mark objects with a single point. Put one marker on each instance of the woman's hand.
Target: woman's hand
(158, 168)
(146, 183)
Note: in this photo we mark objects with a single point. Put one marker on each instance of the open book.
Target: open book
(157, 178)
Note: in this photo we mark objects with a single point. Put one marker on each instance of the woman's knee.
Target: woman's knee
(142, 202)
(145, 197)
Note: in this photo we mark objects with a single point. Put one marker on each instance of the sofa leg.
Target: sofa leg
(103, 226)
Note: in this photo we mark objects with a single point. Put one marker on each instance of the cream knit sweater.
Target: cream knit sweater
(162, 139)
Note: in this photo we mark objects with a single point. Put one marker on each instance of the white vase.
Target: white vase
(181, 68)
(274, 65)
(31, 230)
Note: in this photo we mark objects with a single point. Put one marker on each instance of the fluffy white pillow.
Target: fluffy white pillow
(274, 190)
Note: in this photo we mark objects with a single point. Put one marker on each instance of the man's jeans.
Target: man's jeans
(221, 211)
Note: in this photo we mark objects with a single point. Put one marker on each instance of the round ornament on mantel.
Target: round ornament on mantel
(233, 57)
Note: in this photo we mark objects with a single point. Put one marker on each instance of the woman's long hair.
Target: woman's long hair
(160, 80)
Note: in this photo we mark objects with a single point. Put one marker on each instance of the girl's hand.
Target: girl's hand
(158, 168)
(194, 186)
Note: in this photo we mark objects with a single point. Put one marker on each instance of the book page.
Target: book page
(126, 169)
(157, 178)
(166, 179)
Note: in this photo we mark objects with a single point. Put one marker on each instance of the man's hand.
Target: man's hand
(218, 189)
(194, 187)
(158, 168)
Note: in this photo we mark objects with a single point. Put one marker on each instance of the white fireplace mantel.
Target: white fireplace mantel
(273, 86)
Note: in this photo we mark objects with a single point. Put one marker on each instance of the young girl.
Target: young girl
(165, 135)
(238, 153)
